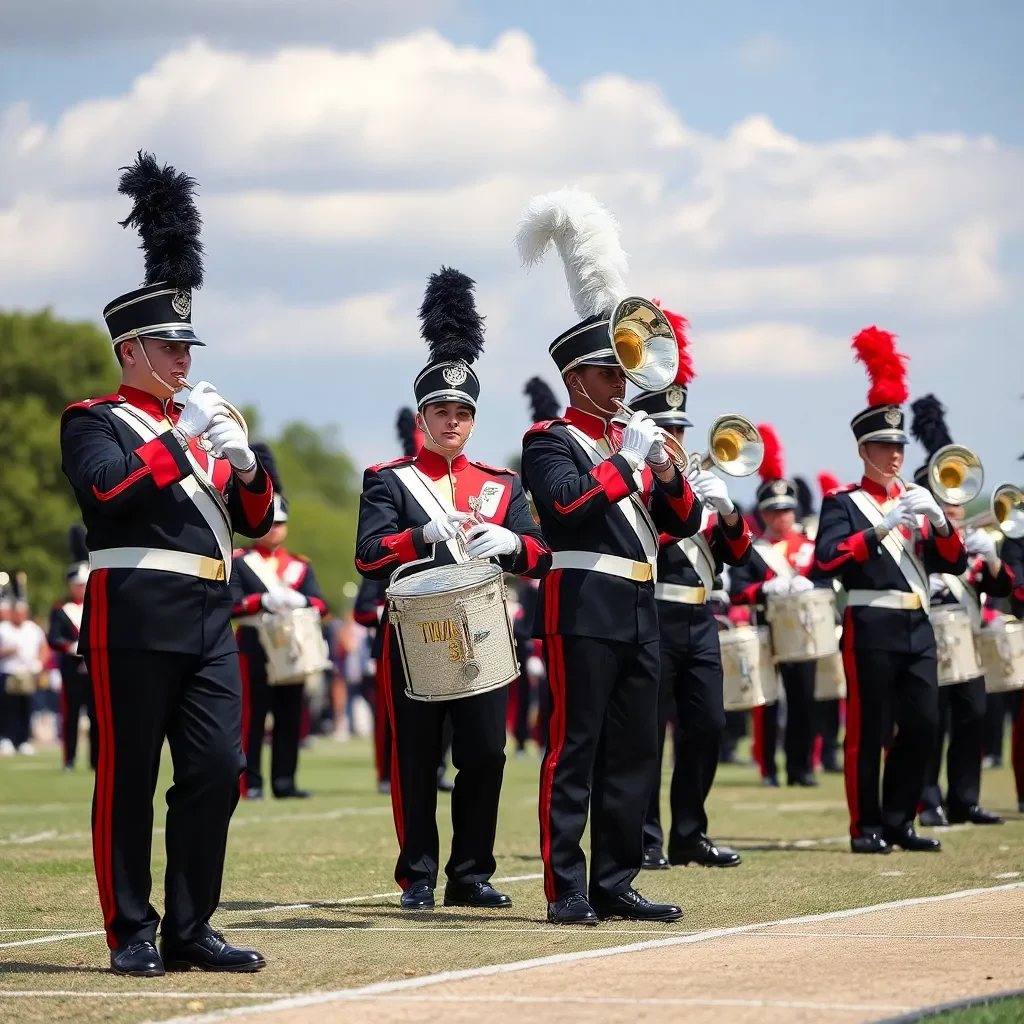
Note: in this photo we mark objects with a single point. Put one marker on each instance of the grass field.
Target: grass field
(310, 884)
(1006, 1011)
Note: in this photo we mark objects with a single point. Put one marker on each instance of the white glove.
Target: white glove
(443, 527)
(535, 667)
(920, 501)
(489, 539)
(199, 410)
(898, 516)
(638, 438)
(712, 491)
(937, 586)
(273, 601)
(656, 457)
(293, 599)
(227, 438)
(777, 586)
(800, 585)
(980, 543)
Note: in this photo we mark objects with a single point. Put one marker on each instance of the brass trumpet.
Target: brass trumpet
(1005, 512)
(955, 475)
(233, 414)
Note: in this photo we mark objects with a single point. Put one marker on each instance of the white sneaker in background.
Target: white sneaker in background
(6, 747)
(27, 749)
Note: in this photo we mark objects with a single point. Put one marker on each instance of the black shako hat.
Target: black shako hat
(775, 491)
(168, 223)
(928, 425)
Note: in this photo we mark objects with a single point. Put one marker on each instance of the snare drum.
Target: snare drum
(830, 676)
(954, 643)
(453, 630)
(803, 625)
(741, 668)
(1000, 647)
(769, 673)
(293, 641)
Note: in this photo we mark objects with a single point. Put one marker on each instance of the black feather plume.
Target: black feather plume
(543, 403)
(262, 452)
(804, 498)
(405, 426)
(929, 423)
(76, 543)
(450, 324)
(167, 220)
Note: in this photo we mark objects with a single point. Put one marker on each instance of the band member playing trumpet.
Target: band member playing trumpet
(156, 626)
(413, 509)
(603, 492)
(779, 565)
(691, 659)
(865, 539)
(268, 578)
(961, 705)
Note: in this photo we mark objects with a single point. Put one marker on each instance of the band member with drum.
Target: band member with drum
(691, 659)
(604, 493)
(865, 539)
(779, 565)
(412, 510)
(65, 626)
(159, 512)
(961, 705)
(268, 578)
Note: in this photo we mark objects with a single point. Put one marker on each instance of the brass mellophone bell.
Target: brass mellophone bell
(1005, 512)
(955, 474)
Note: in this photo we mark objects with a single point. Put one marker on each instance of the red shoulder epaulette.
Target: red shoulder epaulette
(493, 469)
(543, 425)
(90, 402)
(843, 489)
(394, 462)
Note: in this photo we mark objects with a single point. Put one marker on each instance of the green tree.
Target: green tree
(45, 365)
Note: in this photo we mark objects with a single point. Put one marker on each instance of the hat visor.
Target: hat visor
(183, 334)
(438, 397)
(781, 504)
(671, 419)
(885, 437)
(603, 358)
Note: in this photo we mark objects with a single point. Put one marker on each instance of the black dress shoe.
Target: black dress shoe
(933, 817)
(211, 953)
(571, 909)
(253, 793)
(975, 815)
(633, 907)
(705, 853)
(907, 839)
(481, 895)
(418, 897)
(807, 780)
(137, 960)
(832, 767)
(444, 784)
(289, 791)
(654, 859)
(869, 844)
(770, 781)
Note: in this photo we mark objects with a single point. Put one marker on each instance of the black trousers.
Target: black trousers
(602, 750)
(827, 719)
(887, 689)
(15, 715)
(962, 719)
(690, 695)
(259, 697)
(798, 682)
(76, 694)
(196, 703)
(478, 755)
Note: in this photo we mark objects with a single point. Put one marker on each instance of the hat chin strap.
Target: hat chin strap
(610, 413)
(441, 449)
(156, 376)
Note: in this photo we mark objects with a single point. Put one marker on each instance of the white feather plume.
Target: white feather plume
(586, 236)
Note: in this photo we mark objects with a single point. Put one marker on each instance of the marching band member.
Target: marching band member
(961, 705)
(828, 712)
(268, 578)
(412, 509)
(65, 626)
(781, 560)
(156, 625)
(865, 539)
(691, 659)
(603, 493)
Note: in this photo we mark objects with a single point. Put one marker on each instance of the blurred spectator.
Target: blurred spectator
(23, 653)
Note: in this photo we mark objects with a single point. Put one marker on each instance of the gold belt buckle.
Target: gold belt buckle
(211, 568)
(642, 572)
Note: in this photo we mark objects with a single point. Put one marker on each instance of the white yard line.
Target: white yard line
(391, 987)
(637, 1001)
(550, 929)
(49, 938)
(136, 993)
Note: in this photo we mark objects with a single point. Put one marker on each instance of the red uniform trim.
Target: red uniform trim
(366, 618)
(612, 482)
(572, 506)
(738, 545)
(249, 605)
(318, 604)
(402, 545)
(130, 479)
(88, 403)
(757, 744)
(949, 547)
(535, 550)
(851, 747)
(855, 546)
(157, 456)
(542, 425)
(394, 462)
(681, 505)
(384, 684)
(255, 504)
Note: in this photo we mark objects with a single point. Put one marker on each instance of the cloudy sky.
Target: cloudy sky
(784, 175)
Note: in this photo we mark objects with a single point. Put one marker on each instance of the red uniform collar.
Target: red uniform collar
(146, 402)
(436, 466)
(593, 426)
(264, 552)
(878, 491)
(786, 537)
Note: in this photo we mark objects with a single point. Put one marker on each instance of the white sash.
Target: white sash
(965, 596)
(200, 490)
(896, 548)
(632, 506)
(698, 554)
(774, 558)
(263, 572)
(422, 490)
(74, 613)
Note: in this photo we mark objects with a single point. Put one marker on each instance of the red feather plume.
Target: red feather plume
(772, 466)
(680, 325)
(828, 482)
(886, 367)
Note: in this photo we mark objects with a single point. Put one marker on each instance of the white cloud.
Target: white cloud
(771, 350)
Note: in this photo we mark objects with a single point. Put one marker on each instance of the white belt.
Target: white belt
(612, 565)
(678, 593)
(182, 562)
(897, 599)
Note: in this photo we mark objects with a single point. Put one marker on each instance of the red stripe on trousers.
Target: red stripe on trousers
(757, 742)
(554, 657)
(851, 746)
(243, 665)
(396, 774)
